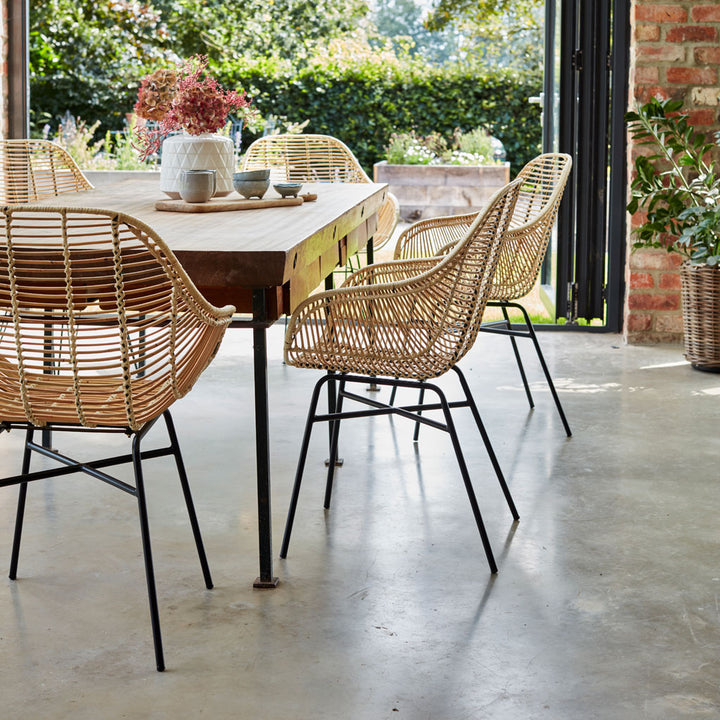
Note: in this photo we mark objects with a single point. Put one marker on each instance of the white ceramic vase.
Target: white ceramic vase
(197, 152)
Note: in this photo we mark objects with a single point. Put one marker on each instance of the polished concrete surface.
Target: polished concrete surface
(606, 604)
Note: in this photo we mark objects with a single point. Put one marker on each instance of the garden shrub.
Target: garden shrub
(364, 104)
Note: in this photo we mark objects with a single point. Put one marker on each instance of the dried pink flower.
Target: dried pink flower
(192, 101)
(156, 95)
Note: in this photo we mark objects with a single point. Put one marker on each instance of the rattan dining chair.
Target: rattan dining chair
(543, 183)
(101, 331)
(35, 169)
(318, 158)
(400, 324)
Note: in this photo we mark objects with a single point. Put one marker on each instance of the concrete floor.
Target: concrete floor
(605, 606)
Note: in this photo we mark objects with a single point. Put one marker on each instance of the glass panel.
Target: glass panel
(551, 138)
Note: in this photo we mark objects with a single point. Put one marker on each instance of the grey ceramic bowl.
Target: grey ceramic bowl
(252, 175)
(288, 189)
(251, 188)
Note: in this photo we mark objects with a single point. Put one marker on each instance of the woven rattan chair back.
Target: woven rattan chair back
(304, 158)
(317, 158)
(35, 169)
(100, 325)
(397, 320)
(543, 182)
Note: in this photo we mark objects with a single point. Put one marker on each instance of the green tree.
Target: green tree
(226, 29)
(403, 22)
(504, 32)
(85, 53)
(88, 56)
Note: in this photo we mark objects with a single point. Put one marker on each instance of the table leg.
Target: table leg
(332, 395)
(262, 445)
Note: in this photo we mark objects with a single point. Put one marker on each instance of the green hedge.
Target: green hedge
(365, 104)
(52, 96)
(362, 104)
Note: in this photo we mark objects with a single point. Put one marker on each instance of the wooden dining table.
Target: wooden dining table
(263, 261)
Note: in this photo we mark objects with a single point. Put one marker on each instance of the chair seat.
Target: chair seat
(53, 399)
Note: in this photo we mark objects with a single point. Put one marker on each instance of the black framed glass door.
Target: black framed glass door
(586, 72)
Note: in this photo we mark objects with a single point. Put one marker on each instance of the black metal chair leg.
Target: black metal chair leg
(300, 468)
(544, 366)
(518, 359)
(488, 444)
(466, 480)
(392, 395)
(332, 400)
(147, 552)
(333, 447)
(20, 515)
(421, 398)
(188, 499)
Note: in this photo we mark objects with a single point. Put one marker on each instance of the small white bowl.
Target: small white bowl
(289, 189)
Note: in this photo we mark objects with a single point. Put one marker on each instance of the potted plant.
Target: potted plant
(186, 108)
(431, 177)
(677, 187)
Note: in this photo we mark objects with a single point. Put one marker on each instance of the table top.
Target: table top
(228, 254)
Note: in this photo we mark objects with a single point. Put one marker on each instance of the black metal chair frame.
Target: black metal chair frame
(93, 468)
(504, 327)
(412, 412)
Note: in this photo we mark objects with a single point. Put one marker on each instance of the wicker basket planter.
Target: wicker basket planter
(426, 191)
(701, 315)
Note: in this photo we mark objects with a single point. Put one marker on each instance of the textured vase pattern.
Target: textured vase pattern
(197, 152)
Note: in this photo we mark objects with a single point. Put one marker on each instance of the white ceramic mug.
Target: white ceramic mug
(197, 186)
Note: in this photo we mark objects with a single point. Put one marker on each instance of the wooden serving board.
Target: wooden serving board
(223, 204)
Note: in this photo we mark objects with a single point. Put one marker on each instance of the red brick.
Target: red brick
(637, 219)
(705, 96)
(645, 93)
(692, 33)
(647, 33)
(691, 76)
(707, 55)
(647, 74)
(660, 13)
(641, 281)
(669, 323)
(705, 13)
(670, 281)
(654, 302)
(638, 150)
(644, 260)
(637, 322)
(703, 117)
(660, 53)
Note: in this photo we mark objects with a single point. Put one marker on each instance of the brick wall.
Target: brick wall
(675, 52)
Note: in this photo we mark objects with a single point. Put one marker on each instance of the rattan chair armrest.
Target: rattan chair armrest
(427, 238)
(388, 217)
(350, 311)
(390, 271)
